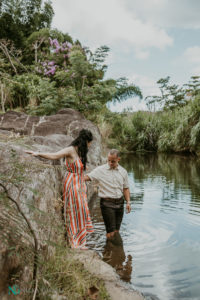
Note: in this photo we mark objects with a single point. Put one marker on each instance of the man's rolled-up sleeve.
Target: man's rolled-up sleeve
(94, 174)
(126, 183)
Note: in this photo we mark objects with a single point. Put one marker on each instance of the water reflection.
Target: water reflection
(177, 175)
(114, 255)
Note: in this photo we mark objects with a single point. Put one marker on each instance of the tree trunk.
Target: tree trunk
(6, 52)
(3, 99)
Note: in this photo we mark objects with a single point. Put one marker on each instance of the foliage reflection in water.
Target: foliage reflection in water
(160, 251)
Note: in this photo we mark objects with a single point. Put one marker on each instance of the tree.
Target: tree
(193, 87)
(52, 71)
(171, 96)
(18, 19)
(72, 77)
(125, 90)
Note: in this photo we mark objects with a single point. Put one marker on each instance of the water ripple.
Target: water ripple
(161, 242)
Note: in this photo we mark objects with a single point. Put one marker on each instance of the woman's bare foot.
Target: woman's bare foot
(84, 248)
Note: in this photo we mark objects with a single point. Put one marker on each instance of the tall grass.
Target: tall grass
(63, 275)
(175, 130)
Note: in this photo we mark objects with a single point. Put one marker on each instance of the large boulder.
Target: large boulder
(39, 192)
(52, 133)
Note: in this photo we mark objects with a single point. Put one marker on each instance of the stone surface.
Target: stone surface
(114, 286)
(43, 190)
(56, 131)
(39, 200)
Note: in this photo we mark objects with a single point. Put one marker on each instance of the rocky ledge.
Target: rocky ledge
(35, 185)
(52, 133)
(115, 287)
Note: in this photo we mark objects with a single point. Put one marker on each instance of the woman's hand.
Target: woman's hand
(32, 153)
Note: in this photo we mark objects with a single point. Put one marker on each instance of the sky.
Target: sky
(148, 39)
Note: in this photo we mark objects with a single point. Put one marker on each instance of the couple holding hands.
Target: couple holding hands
(112, 180)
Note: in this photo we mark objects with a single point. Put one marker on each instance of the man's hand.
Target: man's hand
(126, 193)
(87, 178)
(128, 207)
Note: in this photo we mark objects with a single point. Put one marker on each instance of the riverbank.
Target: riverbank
(116, 289)
(34, 258)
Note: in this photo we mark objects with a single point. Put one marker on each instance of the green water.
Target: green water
(160, 254)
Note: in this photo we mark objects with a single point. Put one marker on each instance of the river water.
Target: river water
(159, 253)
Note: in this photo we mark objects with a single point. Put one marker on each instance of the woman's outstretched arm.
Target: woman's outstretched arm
(62, 153)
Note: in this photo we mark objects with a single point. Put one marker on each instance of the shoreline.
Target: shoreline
(114, 285)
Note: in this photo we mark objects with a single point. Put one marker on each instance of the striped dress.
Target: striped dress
(76, 212)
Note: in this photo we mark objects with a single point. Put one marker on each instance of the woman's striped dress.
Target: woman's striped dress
(76, 212)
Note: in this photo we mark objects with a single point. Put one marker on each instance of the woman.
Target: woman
(76, 212)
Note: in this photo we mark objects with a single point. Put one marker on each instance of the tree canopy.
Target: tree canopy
(20, 18)
(43, 70)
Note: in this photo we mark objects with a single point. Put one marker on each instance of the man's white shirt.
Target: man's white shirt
(111, 182)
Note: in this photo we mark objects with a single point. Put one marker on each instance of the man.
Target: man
(113, 184)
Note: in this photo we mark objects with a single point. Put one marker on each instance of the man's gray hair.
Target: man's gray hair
(114, 152)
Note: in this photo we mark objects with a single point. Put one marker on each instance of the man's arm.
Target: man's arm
(127, 198)
(95, 174)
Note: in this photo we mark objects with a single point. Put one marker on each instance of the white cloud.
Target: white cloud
(133, 104)
(142, 54)
(176, 13)
(148, 85)
(135, 30)
(192, 56)
(108, 22)
(196, 71)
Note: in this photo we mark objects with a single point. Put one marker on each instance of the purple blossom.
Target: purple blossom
(55, 43)
(51, 63)
(51, 71)
(46, 72)
(69, 44)
(57, 49)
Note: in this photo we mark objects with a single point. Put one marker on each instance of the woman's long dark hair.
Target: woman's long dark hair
(81, 142)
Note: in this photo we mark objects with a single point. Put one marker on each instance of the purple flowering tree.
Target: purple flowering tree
(58, 58)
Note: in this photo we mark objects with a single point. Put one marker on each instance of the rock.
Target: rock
(38, 196)
(55, 131)
(116, 288)
(41, 189)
